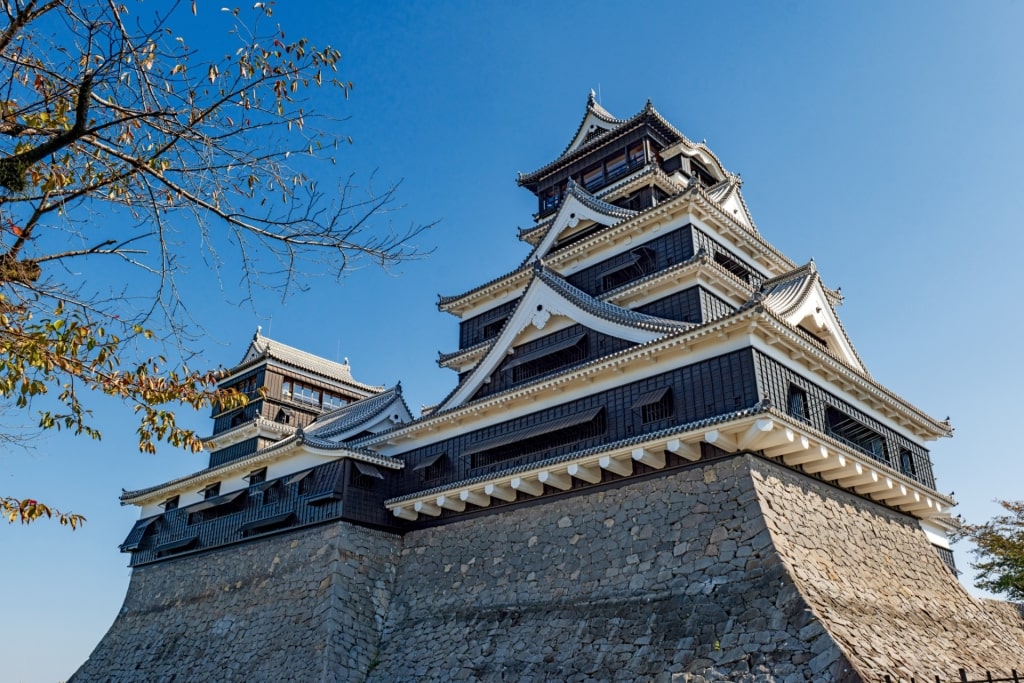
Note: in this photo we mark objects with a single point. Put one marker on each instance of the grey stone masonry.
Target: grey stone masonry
(875, 586)
(735, 569)
(303, 606)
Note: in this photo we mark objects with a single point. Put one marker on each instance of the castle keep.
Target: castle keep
(663, 459)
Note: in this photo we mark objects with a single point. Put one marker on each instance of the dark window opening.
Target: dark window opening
(273, 492)
(814, 338)
(211, 491)
(655, 405)
(542, 361)
(672, 165)
(538, 438)
(642, 262)
(733, 266)
(907, 464)
(797, 403)
(178, 546)
(494, 327)
(238, 418)
(267, 524)
(431, 468)
(217, 507)
(855, 434)
(284, 416)
(171, 503)
(698, 169)
(257, 476)
(363, 475)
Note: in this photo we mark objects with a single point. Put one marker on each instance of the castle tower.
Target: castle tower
(663, 459)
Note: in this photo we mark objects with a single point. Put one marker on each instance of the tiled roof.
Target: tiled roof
(603, 309)
(647, 112)
(264, 347)
(322, 431)
(598, 112)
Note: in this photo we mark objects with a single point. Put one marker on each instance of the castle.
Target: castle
(663, 460)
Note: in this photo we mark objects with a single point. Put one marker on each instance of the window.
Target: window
(211, 491)
(332, 402)
(616, 166)
(305, 393)
(655, 405)
(548, 359)
(257, 476)
(362, 475)
(636, 155)
(238, 418)
(907, 464)
(248, 386)
(697, 169)
(796, 403)
(732, 266)
(537, 438)
(171, 503)
(494, 327)
(854, 433)
(640, 262)
(432, 468)
(593, 177)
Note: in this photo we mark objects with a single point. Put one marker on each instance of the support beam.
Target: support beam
(812, 454)
(865, 477)
(501, 491)
(850, 469)
(924, 504)
(897, 492)
(688, 451)
(556, 480)
(623, 468)
(834, 461)
(751, 438)
(587, 473)
(450, 503)
(911, 497)
(528, 486)
(799, 443)
(405, 513)
(722, 440)
(425, 507)
(475, 497)
(883, 484)
(655, 459)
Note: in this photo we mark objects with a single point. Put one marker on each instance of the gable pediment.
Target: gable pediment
(580, 211)
(596, 121)
(799, 298)
(550, 303)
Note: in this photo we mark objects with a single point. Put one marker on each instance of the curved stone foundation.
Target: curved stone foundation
(736, 569)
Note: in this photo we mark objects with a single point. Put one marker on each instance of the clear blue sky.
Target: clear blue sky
(884, 139)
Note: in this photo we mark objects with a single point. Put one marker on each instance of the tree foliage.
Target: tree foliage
(126, 152)
(999, 548)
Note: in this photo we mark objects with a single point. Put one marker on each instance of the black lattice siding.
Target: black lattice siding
(712, 387)
(775, 380)
(234, 452)
(712, 307)
(675, 247)
(702, 241)
(946, 555)
(597, 344)
(471, 330)
(236, 417)
(327, 485)
(694, 305)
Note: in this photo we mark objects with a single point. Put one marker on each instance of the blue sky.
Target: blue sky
(881, 139)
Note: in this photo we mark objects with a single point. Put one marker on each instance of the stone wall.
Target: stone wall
(671, 578)
(303, 606)
(735, 569)
(879, 589)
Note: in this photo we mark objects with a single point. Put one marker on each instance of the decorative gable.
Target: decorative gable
(551, 303)
(579, 212)
(800, 299)
(596, 121)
